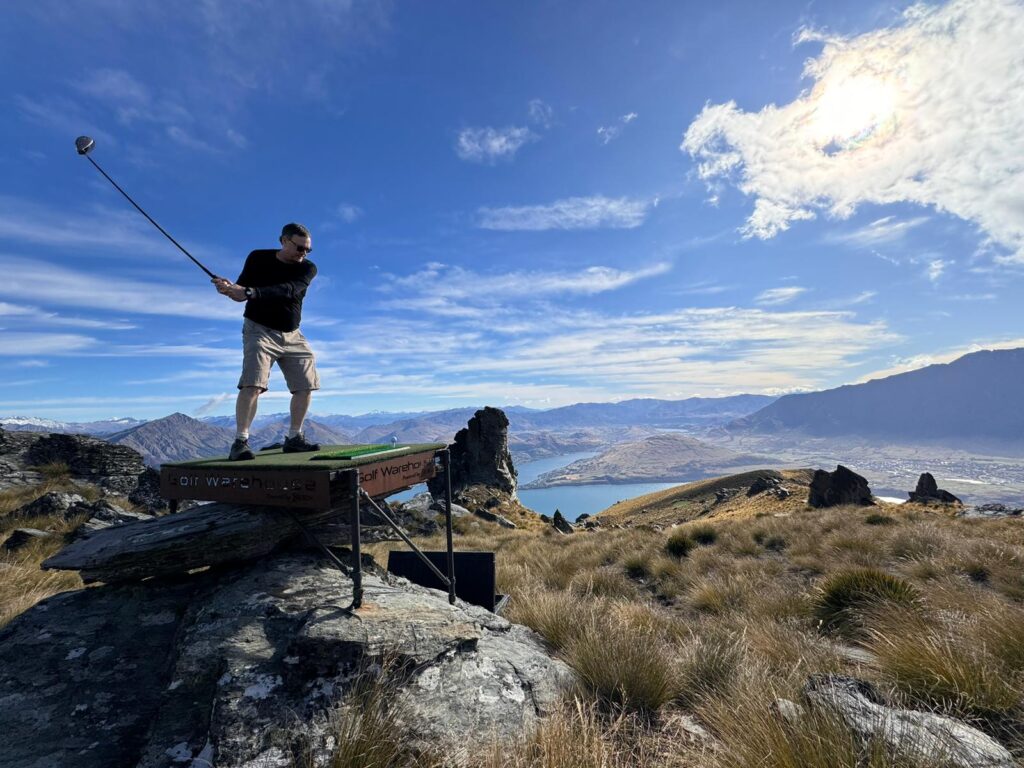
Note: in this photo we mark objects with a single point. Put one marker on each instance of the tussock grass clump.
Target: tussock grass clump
(637, 565)
(703, 534)
(847, 597)
(709, 661)
(580, 735)
(680, 543)
(624, 657)
(368, 724)
(558, 616)
(54, 471)
(604, 581)
(938, 668)
(718, 596)
(878, 519)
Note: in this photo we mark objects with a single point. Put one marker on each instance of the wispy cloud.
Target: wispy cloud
(489, 145)
(904, 364)
(100, 229)
(349, 213)
(892, 115)
(540, 113)
(50, 284)
(776, 296)
(608, 133)
(13, 344)
(455, 284)
(571, 213)
(935, 269)
(887, 229)
(714, 351)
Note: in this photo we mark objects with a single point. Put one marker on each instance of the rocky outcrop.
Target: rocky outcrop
(769, 482)
(922, 737)
(480, 456)
(560, 524)
(114, 467)
(991, 511)
(928, 492)
(833, 489)
(241, 668)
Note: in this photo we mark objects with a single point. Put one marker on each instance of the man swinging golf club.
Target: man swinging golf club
(272, 285)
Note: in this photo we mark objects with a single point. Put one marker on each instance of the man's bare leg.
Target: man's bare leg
(245, 409)
(298, 409)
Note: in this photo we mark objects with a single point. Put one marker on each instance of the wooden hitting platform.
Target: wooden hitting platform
(315, 480)
(335, 477)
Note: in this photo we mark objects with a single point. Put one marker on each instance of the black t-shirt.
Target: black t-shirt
(278, 288)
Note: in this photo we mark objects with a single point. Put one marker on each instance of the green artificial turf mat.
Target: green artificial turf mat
(351, 453)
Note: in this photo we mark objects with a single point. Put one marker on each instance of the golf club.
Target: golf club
(84, 145)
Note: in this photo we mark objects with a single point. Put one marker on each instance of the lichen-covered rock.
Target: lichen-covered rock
(233, 667)
(833, 489)
(53, 503)
(920, 736)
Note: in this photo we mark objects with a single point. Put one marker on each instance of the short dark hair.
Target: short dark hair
(288, 230)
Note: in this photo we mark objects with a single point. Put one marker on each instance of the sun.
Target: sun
(848, 113)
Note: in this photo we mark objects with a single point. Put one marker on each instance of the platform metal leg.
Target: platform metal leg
(446, 464)
(357, 563)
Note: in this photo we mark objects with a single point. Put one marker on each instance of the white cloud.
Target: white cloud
(488, 145)
(50, 284)
(904, 364)
(607, 133)
(441, 285)
(714, 351)
(14, 344)
(570, 213)
(926, 112)
(349, 213)
(775, 296)
(541, 114)
(935, 269)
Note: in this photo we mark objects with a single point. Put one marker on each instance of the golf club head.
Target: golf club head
(84, 145)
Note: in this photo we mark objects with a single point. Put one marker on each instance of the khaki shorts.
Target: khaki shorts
(262, 347)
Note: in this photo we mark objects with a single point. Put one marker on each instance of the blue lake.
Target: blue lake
(571, 500)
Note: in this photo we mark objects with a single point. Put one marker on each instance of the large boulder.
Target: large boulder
(480, 456)
(239, 668)
(833, 489)
(928, 492)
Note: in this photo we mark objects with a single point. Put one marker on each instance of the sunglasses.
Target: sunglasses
(300, 248)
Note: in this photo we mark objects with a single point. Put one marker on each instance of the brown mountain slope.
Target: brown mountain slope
(717, 497)
(661, 458)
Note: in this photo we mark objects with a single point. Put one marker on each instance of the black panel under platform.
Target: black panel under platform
(474, 575)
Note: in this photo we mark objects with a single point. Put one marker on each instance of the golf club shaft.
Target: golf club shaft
(151, 221)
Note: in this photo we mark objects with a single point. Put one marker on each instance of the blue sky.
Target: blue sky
(516, 203)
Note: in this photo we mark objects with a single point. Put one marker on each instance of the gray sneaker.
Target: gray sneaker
(299, 444)
(240, 451)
